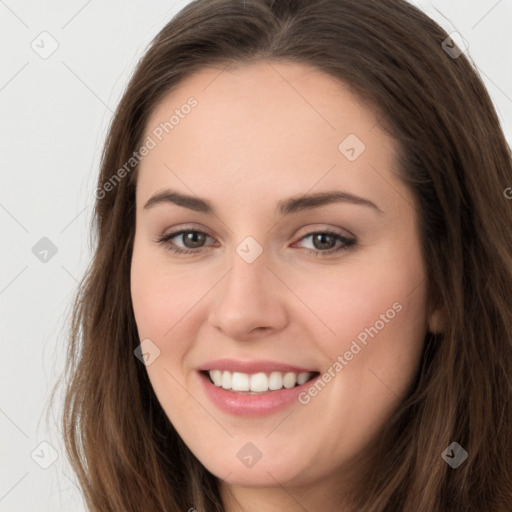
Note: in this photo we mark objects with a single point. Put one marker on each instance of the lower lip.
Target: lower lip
(241, 404)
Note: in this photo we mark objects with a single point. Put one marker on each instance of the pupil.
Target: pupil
(320, 241)
(195, 239)
(322, 237)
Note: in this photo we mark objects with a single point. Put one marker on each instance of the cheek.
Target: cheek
(162, 303)
(157, 315)
(162, 300)
(363, 302)
(376, 327)
(370, 323)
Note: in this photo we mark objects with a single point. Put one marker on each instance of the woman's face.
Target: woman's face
(304, 263)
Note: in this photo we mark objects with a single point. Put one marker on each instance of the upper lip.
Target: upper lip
(254, 366)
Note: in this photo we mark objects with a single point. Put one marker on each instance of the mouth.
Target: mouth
(254, 387)
(258, 383)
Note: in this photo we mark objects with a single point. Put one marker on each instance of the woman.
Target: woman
(300, 296)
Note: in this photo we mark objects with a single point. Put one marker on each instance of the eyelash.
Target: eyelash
(347, 242)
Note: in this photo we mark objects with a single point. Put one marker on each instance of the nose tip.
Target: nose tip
(246, 302)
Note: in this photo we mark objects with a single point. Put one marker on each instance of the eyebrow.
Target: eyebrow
(285, 207)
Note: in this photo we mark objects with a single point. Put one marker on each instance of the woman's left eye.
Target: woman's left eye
(320, 239)
(193, 240)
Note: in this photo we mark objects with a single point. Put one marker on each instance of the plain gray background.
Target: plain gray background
(54, 112)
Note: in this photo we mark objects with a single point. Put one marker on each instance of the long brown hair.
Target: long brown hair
(454, 157)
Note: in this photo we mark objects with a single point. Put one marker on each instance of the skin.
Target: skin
(261, 133)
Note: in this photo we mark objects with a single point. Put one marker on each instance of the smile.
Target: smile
(260, 382)
(253, 388)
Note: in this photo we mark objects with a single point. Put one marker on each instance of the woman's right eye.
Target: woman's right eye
(194, 238)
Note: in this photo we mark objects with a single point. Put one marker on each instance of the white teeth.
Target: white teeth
(289, 380)
(226, 380)
(258, 382)
(240, 382)
(216, 376)
(302, 378)
(275, 381)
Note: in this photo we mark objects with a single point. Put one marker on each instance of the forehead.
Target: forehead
(276, 125)
(266, 94)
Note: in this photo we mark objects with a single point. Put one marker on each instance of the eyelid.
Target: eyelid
(187, 228)
(348, 240)
(335, 231)
(310, 231)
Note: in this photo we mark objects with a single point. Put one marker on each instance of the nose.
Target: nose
(249, 302)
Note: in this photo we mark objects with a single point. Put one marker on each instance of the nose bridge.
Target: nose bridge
(247, 282)
(248, 299)
(249, 268)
